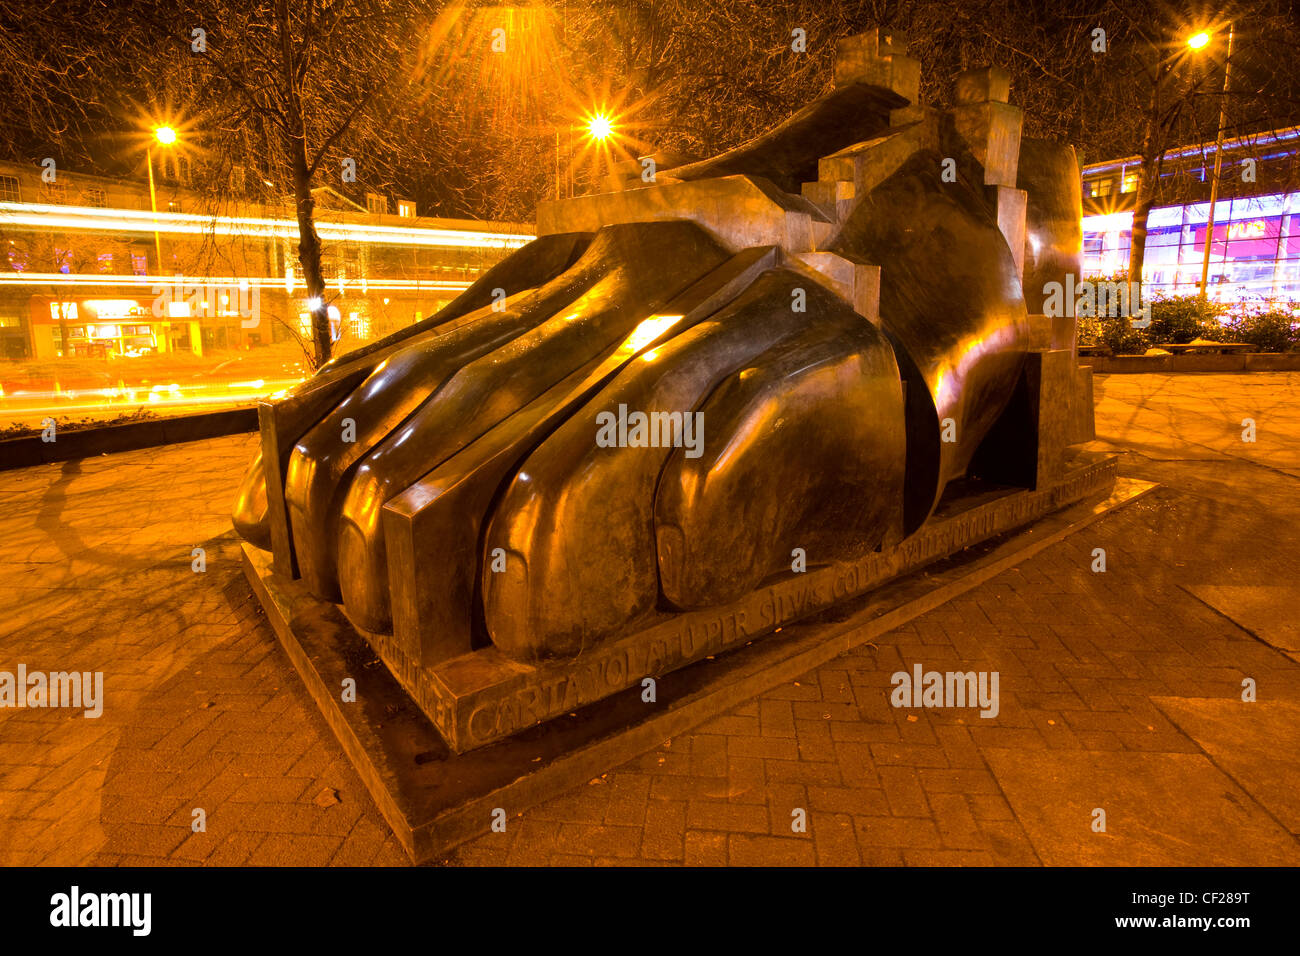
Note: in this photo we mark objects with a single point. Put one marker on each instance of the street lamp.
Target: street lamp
(1197, 42)
(599, 127)
(164, 136)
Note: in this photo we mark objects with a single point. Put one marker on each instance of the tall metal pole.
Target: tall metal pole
(153, 204)
(1218, 166)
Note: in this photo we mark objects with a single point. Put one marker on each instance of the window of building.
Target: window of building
(55, 192)
(1099, 187)
(174, 205)
(406, 208)
(9, 190)
(377, 204)
(139, 264)
(1130, 183)
(96, 197)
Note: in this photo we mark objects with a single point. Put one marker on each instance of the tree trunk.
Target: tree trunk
(1148, 181)
(295, 130)
(1143, 203)
(309, 255)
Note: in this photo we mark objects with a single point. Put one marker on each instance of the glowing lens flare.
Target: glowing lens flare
(165, 135)
(1199, 40)
(599, 127)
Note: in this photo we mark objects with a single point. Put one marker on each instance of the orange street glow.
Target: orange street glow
(600, 127)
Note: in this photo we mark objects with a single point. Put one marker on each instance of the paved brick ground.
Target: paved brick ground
(205, 712)
(202, 711)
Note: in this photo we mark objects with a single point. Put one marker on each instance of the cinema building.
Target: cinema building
(1255, 248)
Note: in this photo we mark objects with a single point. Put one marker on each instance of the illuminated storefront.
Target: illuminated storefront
(1255, 248)
(1254, 255)
(109, 328)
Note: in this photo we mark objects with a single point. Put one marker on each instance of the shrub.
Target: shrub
(1268, 331)
(1117, 334)
(1179, 319)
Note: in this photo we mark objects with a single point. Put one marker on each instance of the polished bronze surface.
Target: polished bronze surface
(325, 458)
(432, 397)
(250, 518)
(729, 519)
(577, 522)
(788, 154)
(283, 422)
(433, 528)
(1049, 173)
(950, 300)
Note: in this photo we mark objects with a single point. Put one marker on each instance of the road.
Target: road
(100, 389)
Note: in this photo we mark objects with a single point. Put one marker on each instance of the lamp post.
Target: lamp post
(165, 136)
(1197, 42)
(598, 127)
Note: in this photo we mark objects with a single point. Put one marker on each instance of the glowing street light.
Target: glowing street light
(1199, 40)
(599, 127)
(165, 135)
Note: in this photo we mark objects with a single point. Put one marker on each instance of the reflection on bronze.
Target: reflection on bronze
(1049, 173)
(952, 304)
(728, 384)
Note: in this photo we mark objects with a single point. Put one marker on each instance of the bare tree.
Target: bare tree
(290, 91)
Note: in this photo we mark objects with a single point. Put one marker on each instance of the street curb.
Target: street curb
(109, 439)
(1241, 362)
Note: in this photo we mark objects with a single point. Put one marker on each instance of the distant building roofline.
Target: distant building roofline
(28, 170)
(1286, 134)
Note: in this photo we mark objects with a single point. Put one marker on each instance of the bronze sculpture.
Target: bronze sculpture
(839, 305)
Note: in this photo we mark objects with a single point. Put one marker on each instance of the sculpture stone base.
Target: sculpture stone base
(405, 747)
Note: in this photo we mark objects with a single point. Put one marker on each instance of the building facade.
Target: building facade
(95, 267)
(1255, 246)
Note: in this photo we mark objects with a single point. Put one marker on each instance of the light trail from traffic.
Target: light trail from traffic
(94, 219)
